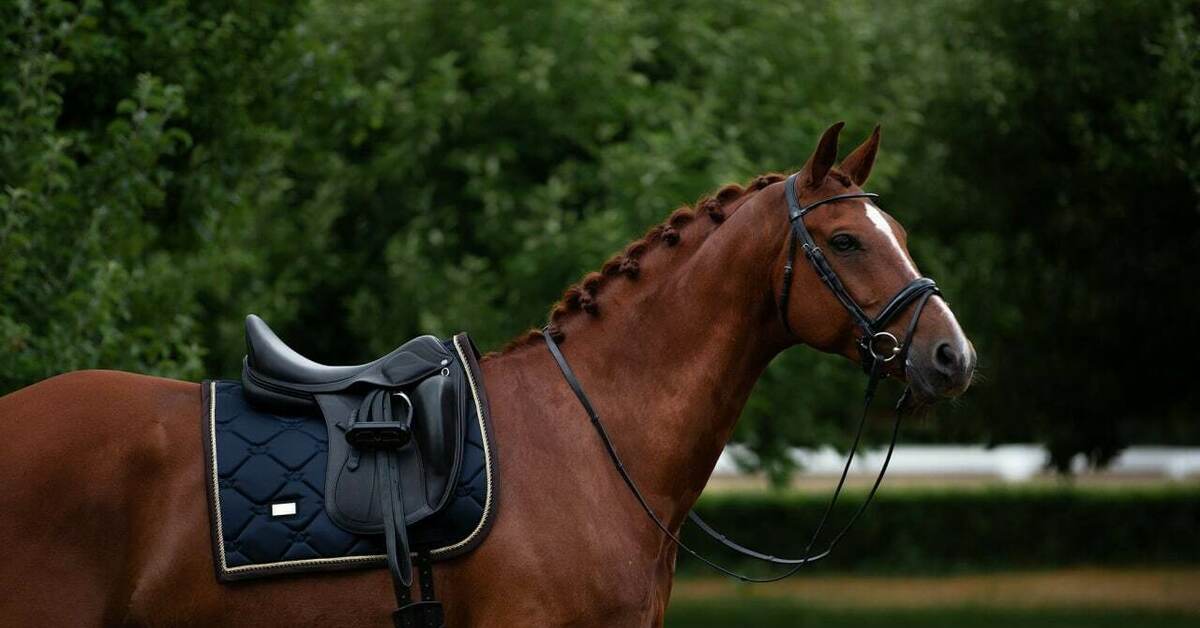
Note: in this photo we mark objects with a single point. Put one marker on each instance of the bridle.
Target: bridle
(870, 348)
(876, 348)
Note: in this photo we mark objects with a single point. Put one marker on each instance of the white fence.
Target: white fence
(1009, 463)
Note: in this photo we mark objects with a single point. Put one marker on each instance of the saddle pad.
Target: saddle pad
(266, 483)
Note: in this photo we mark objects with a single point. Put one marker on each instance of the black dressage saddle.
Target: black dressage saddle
(401, 419)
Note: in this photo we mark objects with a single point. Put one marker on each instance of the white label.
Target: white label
(285, 509)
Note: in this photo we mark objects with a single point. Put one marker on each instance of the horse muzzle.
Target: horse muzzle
(942, 369)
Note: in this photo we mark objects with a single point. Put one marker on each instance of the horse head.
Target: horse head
(857, 290)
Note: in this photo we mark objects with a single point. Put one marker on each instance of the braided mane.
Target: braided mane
(582, 297)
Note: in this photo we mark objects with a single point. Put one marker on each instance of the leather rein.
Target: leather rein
(876, 347)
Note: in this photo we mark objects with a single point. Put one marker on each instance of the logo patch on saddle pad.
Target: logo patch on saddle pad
(266, 477)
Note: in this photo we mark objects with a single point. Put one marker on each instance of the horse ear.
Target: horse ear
(857, 165)
(822, 159)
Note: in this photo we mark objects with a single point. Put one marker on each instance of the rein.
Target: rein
(874, 355)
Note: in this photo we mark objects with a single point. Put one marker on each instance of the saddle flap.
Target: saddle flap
(437, 440)
(428, 462)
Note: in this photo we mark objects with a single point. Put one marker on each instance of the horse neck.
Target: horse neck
(672, 357)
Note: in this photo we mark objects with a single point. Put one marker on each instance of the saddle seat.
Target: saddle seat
(274, 357)
(395, 429)
(279, 376)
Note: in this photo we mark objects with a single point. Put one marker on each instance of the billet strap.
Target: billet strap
(426, 613)
(795, 563)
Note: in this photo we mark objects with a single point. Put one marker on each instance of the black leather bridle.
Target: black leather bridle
(875, 345)
(876, 348)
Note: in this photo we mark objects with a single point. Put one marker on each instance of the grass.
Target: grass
(769, 613)
(1066, 598)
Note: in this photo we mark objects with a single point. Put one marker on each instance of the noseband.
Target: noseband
(876, 348)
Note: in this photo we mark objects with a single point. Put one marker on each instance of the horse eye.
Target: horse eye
(843, 243)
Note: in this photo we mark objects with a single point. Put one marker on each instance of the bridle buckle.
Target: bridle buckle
(883, 346)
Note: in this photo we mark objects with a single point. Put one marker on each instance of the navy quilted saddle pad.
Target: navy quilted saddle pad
(266, 483)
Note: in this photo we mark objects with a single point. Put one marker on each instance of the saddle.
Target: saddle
(402, 421)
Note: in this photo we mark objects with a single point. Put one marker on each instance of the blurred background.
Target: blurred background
(360, 171)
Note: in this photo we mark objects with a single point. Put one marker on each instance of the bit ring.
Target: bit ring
(883, 346)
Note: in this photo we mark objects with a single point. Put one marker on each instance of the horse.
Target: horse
(104, 513)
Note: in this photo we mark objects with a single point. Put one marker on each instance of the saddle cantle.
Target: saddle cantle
(395, 431)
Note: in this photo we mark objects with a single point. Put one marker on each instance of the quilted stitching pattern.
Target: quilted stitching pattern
(265, 459)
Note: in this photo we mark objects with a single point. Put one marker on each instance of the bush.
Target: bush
(914, 531)
(128, 159)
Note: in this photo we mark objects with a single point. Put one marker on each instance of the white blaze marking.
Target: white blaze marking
(880, 222)
(876, 217)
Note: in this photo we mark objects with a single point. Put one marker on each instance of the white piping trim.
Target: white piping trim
(487, 456)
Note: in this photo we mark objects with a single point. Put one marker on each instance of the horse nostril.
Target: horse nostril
(947, 360)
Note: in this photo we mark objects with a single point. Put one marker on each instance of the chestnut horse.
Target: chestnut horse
(102, 495)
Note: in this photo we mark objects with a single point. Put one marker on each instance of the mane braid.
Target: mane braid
(582, 296)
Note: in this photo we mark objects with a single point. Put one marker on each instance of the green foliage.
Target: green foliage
(1071, 135)
(109, 119)
(936, 531)
(361, 171)
(504, 150)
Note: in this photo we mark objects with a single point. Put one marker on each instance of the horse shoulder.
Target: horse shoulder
(560, 549)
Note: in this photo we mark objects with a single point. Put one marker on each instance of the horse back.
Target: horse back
(79, 462)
